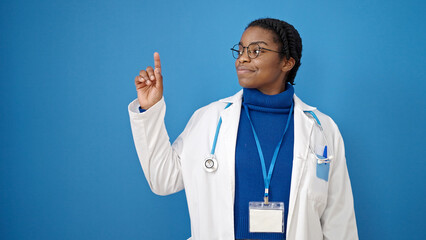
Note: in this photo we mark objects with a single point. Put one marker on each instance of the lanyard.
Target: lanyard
(267, 178)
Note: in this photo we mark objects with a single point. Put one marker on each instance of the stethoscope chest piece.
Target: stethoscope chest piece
(210, 164)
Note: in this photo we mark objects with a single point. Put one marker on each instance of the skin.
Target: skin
(149, 84)
(267, 72)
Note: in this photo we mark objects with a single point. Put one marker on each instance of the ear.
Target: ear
(288, 64)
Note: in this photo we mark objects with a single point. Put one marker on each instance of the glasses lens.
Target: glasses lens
(236, 49)
(253, 50)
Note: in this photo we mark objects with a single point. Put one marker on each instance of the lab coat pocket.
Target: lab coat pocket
(323, 170)
(322, 162)
(318, 188)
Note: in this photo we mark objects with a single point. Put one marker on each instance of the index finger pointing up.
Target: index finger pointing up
(157, 62)
(157, 71)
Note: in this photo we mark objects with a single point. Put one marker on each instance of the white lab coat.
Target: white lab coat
(318, 209)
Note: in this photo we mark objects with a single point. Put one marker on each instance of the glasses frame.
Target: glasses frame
(240, 53)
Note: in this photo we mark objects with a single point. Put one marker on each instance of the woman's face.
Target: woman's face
(267, 71)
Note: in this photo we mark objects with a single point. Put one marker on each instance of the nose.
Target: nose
(244, 57)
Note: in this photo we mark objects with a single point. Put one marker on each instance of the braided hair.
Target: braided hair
(288, 38)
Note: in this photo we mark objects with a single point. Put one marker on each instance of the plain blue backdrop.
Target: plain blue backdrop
(68, 166)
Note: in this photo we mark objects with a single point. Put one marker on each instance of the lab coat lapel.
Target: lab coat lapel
(302, 129)
(229, 129)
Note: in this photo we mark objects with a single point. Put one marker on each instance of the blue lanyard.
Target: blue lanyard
(267, 178)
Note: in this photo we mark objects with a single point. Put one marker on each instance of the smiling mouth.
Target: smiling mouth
(244, 70)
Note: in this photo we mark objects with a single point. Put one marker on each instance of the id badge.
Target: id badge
(266, 218)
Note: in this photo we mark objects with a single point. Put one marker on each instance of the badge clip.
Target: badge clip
(266, 198)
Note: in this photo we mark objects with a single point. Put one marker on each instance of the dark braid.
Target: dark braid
(289, 39)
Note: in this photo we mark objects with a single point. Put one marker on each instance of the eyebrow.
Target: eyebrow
(256, 42)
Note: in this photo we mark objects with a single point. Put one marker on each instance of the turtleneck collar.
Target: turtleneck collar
(254, 99)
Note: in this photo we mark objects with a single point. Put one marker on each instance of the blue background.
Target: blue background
(68, 166)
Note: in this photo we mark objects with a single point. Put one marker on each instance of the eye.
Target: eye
(254, 50)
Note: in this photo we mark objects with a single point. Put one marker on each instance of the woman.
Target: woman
(258, 165)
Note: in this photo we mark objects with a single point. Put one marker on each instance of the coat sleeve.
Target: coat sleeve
(160, 160)
(338, 220)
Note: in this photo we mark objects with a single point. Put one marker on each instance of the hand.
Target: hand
(149, 84)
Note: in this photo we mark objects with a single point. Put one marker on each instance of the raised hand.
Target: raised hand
(149, 84)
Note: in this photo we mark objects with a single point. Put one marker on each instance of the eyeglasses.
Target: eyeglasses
(253, 50)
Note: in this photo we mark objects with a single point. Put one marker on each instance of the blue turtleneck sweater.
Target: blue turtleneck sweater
(269, 115)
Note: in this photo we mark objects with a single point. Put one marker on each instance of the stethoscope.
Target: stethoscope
(211, 164)
(324, 157)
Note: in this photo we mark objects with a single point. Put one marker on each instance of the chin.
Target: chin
(245, 83)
